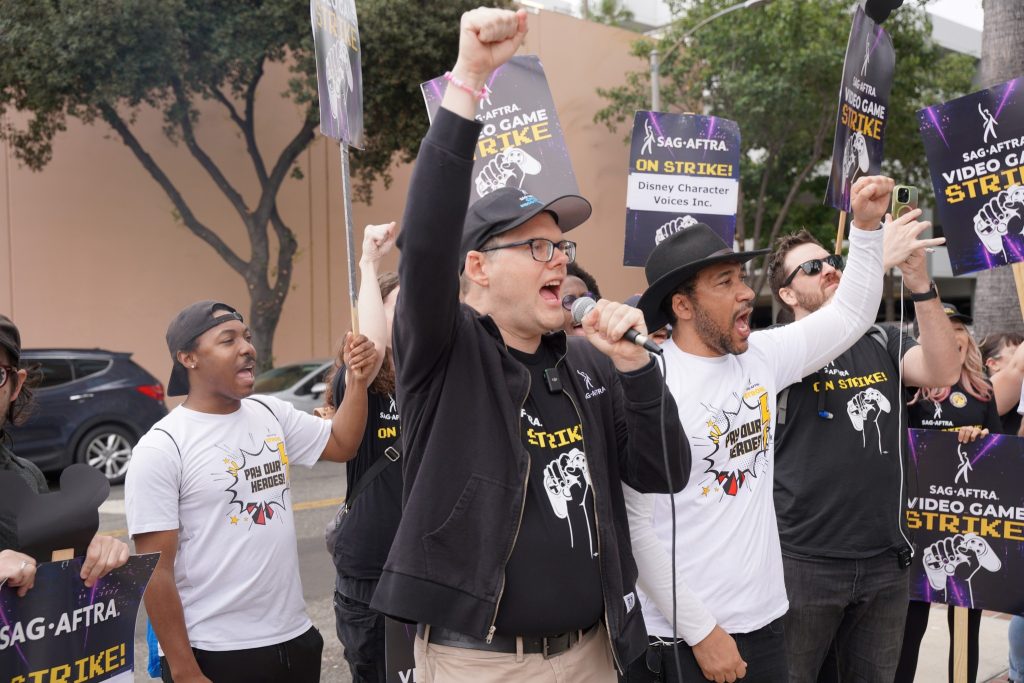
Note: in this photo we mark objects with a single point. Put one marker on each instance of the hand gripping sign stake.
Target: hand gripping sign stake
(340, 89)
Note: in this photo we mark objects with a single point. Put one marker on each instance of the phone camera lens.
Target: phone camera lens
(903, 195)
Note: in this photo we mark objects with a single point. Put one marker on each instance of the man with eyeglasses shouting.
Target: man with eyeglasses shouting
(838, 474)
(730, 594)
(515, 440)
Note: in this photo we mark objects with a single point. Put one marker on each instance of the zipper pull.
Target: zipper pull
(490, 636)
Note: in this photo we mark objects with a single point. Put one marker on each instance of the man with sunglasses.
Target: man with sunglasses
(838, 475)
(515, 437)
(729, 594)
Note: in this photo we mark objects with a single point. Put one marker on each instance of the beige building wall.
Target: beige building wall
(91, 254)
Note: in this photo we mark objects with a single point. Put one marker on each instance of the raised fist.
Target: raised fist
(566, 480)
(672, 227)
(965, 554)
(508, 169)
(867, 405)
(993, 220)
(855, 157)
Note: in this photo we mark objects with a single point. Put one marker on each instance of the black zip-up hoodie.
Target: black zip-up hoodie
(461, 393)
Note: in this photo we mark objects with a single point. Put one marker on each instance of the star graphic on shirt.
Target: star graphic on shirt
(234, 520)
(705, 490)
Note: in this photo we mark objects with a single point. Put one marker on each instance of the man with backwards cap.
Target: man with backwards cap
(208, 488)
(508, 554)
(729, 580)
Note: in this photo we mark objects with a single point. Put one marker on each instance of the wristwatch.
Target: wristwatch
(932, 293)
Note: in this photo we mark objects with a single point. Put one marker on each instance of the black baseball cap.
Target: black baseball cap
(953, 313)
(10, 338)
(191, 322)
(508, 208)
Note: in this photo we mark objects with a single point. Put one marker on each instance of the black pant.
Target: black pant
(917, 624)
(763, 650)
(293, 661)
(361, 632)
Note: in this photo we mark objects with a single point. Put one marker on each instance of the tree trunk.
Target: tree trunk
(996, 302)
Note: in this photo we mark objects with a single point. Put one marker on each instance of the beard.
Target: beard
(711, 333)
(811, 302)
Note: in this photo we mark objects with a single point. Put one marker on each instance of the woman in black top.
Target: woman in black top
(967, 407)
(374, 504)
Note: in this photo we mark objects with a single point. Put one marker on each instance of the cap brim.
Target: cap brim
(650, 300)
(570, 211)
(178, 386)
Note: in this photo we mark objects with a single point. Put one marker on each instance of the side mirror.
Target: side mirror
(318, 388)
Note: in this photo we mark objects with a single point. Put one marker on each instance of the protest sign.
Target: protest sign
(521, 144)
(399, 663)
(965, 512)
(339, 73)
(63, 631)
(975, 149)
(683, 169)
(863, 108)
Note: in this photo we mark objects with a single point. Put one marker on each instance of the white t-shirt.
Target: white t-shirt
(728, 556)
(223, 483)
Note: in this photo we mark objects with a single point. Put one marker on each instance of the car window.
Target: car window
(282, 378)
(52, 371)
(84, 367)
(307, 386)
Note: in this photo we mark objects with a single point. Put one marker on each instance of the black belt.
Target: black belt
(549, 646)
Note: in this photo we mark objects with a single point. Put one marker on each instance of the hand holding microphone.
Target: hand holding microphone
(617, 330)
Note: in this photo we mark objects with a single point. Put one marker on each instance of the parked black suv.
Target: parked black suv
(91, 406)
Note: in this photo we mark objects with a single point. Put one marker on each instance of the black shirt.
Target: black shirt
(1010, 422)
(837, 478)
(552, 580)
(35, 480)
(367, 531)
(959, 409)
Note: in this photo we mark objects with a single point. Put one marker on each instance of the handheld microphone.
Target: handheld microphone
(584, 304)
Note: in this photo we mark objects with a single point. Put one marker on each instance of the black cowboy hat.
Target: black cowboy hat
(677, 259)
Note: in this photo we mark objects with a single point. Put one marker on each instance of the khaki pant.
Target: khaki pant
(588, 661)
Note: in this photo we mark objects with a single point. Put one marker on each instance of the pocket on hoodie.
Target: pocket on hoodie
(461, 552)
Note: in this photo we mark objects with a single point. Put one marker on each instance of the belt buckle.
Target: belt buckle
(544, 648)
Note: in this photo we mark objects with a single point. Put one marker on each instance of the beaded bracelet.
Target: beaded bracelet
(462, 85)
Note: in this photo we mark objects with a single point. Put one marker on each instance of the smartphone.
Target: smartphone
(904, 199)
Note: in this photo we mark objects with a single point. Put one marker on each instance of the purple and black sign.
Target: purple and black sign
(965, 513)
(975, 148)
(521, 144)
(63, 631)
(683, 169)
(339, 73)
(863, 108)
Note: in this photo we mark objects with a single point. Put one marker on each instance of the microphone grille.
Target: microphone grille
(581, 307)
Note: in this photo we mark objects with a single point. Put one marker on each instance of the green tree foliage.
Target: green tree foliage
(102, 61)
(776, 70)
(610, 12)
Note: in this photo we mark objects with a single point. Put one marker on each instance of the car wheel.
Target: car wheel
(108, 448)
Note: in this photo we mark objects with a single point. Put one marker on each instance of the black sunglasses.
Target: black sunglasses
(569, 299)
(814, 266)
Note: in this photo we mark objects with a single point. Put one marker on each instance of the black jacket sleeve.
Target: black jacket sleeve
(638, 428)
(428, 271)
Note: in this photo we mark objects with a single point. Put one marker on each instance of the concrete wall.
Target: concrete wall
(91, 253)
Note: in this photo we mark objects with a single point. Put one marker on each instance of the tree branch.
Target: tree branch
(185, 121)
(284, 162)
(248, 124)
(189, 218)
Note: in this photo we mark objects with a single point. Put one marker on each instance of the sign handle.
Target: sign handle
(62, 555)
(841, 233)
(346, 191)
(959, 645)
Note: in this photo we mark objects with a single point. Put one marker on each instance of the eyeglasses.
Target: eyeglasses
(542, 249)
(569, 299)
(814, 266)
(6, 372)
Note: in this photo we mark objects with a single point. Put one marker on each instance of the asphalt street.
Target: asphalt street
(316, 494)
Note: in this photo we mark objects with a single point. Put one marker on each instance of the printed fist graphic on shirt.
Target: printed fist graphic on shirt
(866, 406)
(566, 480)
(961, 555)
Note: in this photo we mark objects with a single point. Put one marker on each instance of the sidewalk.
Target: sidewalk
(993, 648)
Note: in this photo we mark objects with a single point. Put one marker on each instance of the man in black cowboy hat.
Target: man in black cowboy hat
(839, 472)
(728, 575)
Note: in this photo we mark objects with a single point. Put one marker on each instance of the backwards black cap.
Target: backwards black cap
(191, 322)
